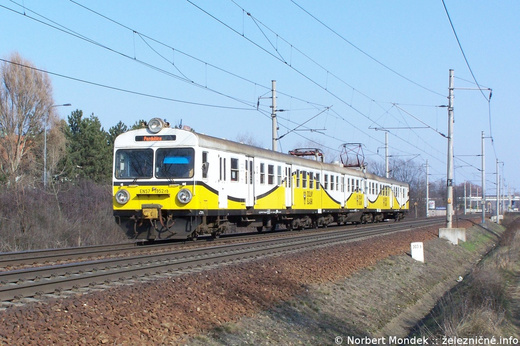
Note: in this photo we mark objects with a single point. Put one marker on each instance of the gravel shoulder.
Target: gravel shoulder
(370, 287)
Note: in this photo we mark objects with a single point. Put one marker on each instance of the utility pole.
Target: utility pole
(387, 171)
(449, 180)
(427, 191)
(465, 199)
(273, 116)
(498, 194)
(483, 169)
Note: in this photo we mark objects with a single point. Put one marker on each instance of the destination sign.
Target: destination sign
(155, 138)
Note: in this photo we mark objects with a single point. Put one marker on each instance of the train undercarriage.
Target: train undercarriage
(154, 224)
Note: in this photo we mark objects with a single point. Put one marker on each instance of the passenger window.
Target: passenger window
(234, 169)
(270, 174)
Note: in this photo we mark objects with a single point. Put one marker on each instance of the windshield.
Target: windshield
(134, 163)
(174, 163)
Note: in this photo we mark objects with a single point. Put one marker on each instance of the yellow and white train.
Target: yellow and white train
(171, 183)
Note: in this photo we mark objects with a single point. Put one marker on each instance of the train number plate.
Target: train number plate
(153, 191)
(150, 213)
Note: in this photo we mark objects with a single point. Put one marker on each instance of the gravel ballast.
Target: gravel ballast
(306, 297)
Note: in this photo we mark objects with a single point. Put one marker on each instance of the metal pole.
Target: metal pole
(498, 193)
(483, 182)
(45, 151)
(387, 171)
(273, 116)
(449, 180)
(427, 191)
(45, 142)
(465, 199)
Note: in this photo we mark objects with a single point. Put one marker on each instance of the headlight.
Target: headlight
(184, 196)
(155, 125)
(122, 196)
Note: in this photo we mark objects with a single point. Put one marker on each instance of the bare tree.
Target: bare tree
(249, 139)
(25, 109)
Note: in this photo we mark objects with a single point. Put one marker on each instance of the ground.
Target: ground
(364, 288)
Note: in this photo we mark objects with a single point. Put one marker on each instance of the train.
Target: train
(175, 183)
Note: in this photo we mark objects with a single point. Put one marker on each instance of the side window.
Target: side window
(234, 169)
(297, 178)
(326, 182)
(279, 173)
(270, 174)
(262, 173)
(311, 180)
(205, 164)
(317, 181)
(304, 179)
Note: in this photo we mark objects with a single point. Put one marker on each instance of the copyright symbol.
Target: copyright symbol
(338, 340)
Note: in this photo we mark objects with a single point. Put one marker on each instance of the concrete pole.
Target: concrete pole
(483, 168)
(498, 194)
(427, 191)
(449, 180)
(387, 171)
(465, 199)
(273, 116)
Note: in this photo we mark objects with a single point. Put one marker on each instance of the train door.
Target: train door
(249, 180)
(222, 192)
(288, 186)
(365, 191)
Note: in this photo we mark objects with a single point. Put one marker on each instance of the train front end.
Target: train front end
(154, 181)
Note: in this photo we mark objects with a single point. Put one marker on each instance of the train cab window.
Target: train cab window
(174, 163)
(304, 179)
(342, 184)
(234, 169)
(357, 184)
(337, 183)
(262, 173)
(332, 183)
(279, 174)
(270, 174)
(317, 181)
(297, 178)
(134, 163)
(311, 180)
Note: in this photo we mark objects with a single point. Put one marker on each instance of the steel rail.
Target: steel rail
(66, 277)
(42, 257)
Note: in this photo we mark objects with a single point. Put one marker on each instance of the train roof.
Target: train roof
(192, 138)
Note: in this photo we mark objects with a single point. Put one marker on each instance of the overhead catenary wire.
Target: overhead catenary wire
(184, 77)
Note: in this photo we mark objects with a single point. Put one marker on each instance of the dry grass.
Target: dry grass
(484, 302)
(74, 215)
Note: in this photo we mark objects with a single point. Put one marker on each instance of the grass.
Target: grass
(482, 304)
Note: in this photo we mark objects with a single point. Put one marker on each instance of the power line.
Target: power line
(126, 90)
(365, 53)
(488, 99)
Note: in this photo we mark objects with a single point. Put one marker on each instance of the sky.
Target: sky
(346, 72)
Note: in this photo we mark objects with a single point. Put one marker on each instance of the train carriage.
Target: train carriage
(175, 183)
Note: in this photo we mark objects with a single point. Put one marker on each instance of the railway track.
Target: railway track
(37, 282)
